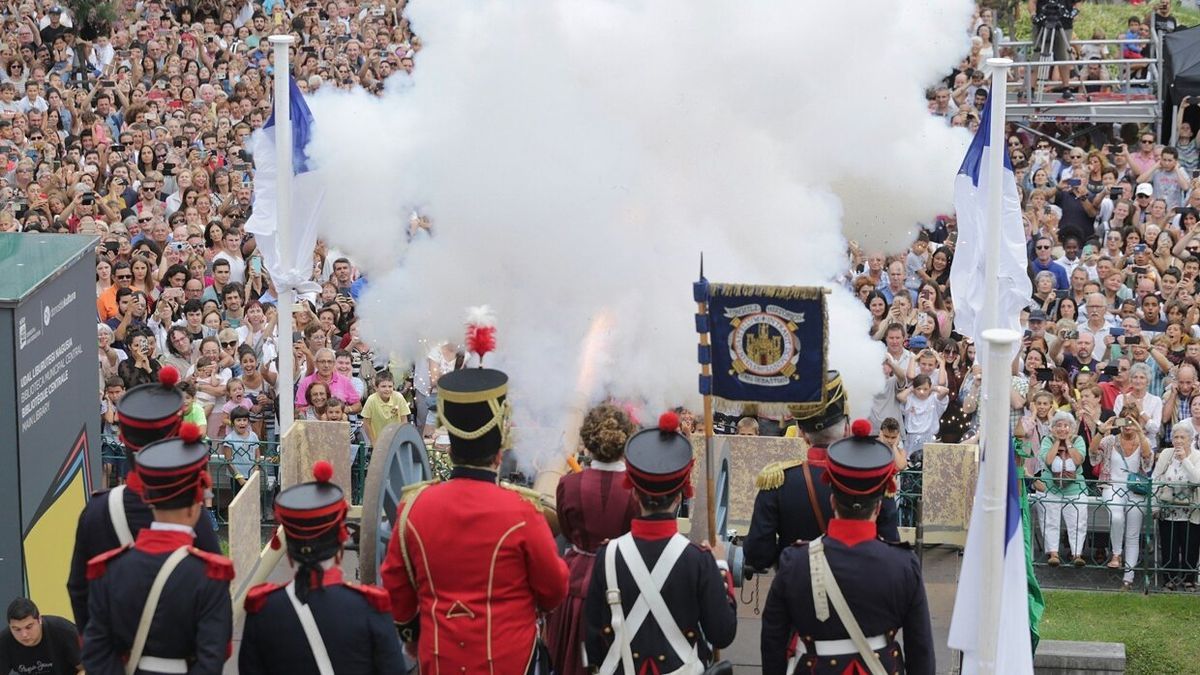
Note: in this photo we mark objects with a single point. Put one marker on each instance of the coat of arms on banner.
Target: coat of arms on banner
(763, 346)
(768, 343)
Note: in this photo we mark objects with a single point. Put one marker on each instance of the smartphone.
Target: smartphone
(112, 246)
(1111, 371)
(1115, 193)
(88, 199)
(245, 179)
(1045, 374)
(107, 83)
(1116, 331)
(1028, 335)
(178, 245)
(256, 265)
(1046, 210)
(1070, 335)
(1074, 182)
(1120, 422)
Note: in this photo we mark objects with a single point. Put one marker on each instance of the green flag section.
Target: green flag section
(1037, 604)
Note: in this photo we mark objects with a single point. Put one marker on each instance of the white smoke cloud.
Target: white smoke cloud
(578, 155)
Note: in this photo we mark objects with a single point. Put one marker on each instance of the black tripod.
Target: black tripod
(1050, 32)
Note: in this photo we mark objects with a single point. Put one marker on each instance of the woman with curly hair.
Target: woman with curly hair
(594, 506)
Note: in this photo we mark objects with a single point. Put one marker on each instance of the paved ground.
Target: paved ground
(941, 579)
(941, 576)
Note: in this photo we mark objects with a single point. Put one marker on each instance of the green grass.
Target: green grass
(1154, 628)
(1112, 19)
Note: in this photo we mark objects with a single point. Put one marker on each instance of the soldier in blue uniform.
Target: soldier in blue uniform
(847, 594)
(317, 624)
(793, 499)
(112, 518)
(162, 604)
(657, 603)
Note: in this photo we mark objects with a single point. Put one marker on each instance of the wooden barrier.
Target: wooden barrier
(948, 476)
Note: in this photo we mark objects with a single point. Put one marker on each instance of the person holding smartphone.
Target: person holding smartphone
(1185, 140)
(1126, 451)
(1062, 454)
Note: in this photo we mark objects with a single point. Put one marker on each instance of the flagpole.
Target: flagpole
(996, 377)
(286, 383)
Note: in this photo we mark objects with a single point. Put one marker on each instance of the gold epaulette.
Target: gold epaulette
(413, 487)
(771, 477)
(528, 494)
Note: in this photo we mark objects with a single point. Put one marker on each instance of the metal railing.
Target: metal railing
(1135, 94)
(224, 487)
(1166, 555)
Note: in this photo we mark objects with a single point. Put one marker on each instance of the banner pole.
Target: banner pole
(700, 291)
(700, 295)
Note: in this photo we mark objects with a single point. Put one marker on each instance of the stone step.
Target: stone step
(1068, 657)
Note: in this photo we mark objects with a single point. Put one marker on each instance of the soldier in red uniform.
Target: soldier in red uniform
(162, 604)
(317, 624)
(594, 506)
(471, 564)
(112, 518)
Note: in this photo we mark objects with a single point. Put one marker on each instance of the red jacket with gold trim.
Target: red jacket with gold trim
(484, 563)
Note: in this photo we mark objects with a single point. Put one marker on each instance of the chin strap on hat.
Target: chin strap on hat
(500, 415)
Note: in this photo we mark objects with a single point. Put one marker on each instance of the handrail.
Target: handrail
(1106, 41)
(1087, 62)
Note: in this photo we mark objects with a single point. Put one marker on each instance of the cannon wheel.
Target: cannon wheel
(722, 498)
(399, 460)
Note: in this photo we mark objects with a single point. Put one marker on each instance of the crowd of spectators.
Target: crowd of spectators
(1104, 392)
(135, 130)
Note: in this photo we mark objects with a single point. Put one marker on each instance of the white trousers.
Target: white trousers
(1059, 508)
(1125, 511)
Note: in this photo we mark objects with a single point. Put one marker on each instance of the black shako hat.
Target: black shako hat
(861, 464)
(173, 473)
(834, 410)
(658, 461)
(150, 412)
(473, 406)
(312, 514)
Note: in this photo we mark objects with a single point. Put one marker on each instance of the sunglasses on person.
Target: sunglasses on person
(232, 343)
(1041, 247)
(1148, 140)
(123, 277)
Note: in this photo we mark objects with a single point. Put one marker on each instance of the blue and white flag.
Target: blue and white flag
(1014, 653)
(292, 267)
(968, 274)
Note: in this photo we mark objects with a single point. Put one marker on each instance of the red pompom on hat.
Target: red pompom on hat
(481, 331)
(669, 422)
(168, 376)
(323, 471)
(190, 432)
(860, 428)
